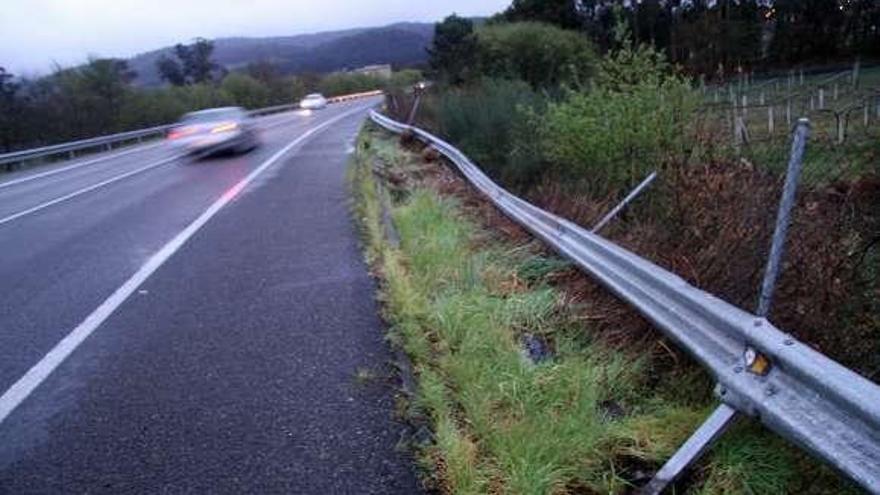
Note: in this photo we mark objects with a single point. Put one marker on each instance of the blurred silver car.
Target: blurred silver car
(215, 130)
(313, 101)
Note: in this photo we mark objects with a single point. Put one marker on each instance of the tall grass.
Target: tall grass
(588, 419)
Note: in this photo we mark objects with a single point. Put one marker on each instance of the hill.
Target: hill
(401, 44)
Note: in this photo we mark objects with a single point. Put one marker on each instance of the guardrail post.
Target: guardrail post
(761, 98)
(788, 112)
(821, 98)
(841, 118)
(836, 90)
(771, 125)
(802, 77)
(418, 90)
(724, 415)
(783, 217)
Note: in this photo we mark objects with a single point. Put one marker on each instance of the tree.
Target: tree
(563, 13)
(542, 55)
(246, 91)
(8, 108)
(193, 64)
(171, 71)
(453, 51)
(198, 64)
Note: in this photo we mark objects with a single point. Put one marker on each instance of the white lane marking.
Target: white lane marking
(77, 165)
(87, 189)
(25, 385)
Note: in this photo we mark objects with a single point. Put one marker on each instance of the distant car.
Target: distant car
(215, 130)
(313, 101)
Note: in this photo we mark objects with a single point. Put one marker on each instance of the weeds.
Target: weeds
(590, 419)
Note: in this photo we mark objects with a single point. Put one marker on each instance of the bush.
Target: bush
(246, 91)
(488, 122)
(542, 55)
(634, 120)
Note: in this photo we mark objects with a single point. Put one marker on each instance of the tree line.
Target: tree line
(721, 37)
(99, 97)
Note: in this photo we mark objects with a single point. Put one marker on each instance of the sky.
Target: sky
(39, 33)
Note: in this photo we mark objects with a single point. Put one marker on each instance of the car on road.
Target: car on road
(215, 130)
(313, 101)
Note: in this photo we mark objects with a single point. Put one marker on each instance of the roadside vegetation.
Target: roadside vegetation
(521, 391)
(99, 97)
(578, 144)
(575, 142)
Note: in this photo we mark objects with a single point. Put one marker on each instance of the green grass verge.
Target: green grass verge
(459, 299)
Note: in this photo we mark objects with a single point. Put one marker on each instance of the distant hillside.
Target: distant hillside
(398, 44)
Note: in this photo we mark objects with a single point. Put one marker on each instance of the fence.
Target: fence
(802, 395)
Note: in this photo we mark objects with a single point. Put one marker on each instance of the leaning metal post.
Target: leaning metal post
(783, 218)
(418, 89)
(627, 200)
(723, 416)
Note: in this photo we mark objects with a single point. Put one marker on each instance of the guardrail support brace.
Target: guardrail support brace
(692, 449)
(627, 200)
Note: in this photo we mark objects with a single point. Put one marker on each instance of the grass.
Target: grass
(459, 300)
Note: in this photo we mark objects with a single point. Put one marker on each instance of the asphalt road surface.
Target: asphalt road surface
(178, 326)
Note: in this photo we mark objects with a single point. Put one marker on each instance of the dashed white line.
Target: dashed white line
(25, 385)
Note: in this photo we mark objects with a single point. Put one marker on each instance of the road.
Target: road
(171, 326)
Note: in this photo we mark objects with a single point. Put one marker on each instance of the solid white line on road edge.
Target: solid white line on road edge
(25, 385)
(76, 165)
(87, 189)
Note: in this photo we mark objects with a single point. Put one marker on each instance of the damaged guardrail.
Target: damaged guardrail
(802, 395)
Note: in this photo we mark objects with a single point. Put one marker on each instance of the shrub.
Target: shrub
(487, 121)
(634, 120)
(542, 55)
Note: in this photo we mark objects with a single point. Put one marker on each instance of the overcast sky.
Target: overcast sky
(37, 33)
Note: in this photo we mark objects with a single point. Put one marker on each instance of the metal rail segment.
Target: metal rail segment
(807, 398)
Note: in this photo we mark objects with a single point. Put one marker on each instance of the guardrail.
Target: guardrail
(809, 399)
(107, 142)
(84, 144)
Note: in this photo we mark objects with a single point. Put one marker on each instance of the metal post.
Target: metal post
(693, 448)
(821, 98)
(783, 217)
(418, 89)
(841, 127)
(627, 200)
(724, 415)
(771, 125)
(788, 112)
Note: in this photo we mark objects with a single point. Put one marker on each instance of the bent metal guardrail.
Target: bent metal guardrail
(107, 142)
(811, 400)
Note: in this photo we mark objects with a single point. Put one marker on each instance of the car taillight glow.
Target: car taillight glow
(180, 132)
